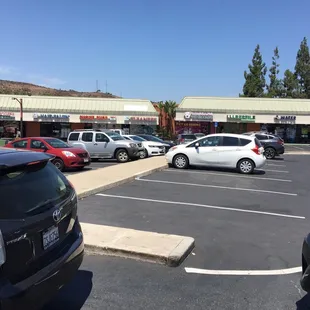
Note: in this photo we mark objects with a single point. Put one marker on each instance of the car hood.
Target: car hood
(125, 142)
(153, 143)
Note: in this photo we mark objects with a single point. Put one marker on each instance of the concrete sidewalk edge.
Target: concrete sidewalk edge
(176, 257)
(131, 178)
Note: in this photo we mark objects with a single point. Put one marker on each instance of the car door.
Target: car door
(103, 145)
(229, 151)
(87, 140)
(206, 154)
(37, 145)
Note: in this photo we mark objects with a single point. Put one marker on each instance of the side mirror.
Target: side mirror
(44, 148)
(197, 145)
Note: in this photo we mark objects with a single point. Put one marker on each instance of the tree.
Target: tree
(302, 69)
(275, 84)
(255, 81)
(170, 110)
(290, 85)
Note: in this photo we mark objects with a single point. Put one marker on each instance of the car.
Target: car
(273, 145)
(166, 144)
(64, 156)
(41, 241)
(185, 138)
(104, 144)
(150, 148)
(244, 153)
(305, 259)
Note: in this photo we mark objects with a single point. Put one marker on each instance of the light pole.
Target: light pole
(20, 101)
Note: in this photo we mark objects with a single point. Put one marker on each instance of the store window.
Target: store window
(56, 130)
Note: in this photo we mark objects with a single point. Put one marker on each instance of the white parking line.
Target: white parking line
(244, 272)
(217, 186)
(280, 171)
(228, 175)
(203, 206)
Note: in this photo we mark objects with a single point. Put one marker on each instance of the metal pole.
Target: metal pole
(21, 118)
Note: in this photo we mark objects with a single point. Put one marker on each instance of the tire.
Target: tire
(144, 154)
(270, 153)
(180, 161)
(59, 164)
(246, 166)
(122, 156)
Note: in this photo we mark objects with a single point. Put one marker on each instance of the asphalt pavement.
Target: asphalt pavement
(93, 166)
(249, 223)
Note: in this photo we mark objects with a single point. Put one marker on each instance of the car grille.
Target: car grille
(83, 155)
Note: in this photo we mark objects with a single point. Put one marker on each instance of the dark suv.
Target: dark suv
(41, 242)
(273, 145)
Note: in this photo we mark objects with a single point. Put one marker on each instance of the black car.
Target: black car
(167, 144)
(41, 242)
(273, 145)
(305, 279)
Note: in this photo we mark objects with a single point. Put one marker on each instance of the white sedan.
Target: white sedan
(240, 152)
(150, 148)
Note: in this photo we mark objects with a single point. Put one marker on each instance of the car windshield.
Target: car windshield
(56, 143)
(34, 184)
(154, 139)
(137, 138)
(114, 136)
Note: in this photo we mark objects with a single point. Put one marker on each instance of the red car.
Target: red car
(65, 156)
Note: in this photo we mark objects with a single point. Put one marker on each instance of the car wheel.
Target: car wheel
(270, 153)
(122, 156)
(180, 161)
(143, 154)
(59, 164)
(246, 166)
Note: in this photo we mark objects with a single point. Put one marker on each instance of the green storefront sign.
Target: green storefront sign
(241, 118)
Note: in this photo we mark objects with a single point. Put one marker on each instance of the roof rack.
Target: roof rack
(98, 130)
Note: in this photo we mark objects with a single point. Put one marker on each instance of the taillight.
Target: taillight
(2, 250)
(280, 142)
(256, 150)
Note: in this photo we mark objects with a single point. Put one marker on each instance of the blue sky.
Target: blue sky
(157, 50)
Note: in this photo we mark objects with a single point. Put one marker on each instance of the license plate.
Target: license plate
(86, 160)
(50, 237)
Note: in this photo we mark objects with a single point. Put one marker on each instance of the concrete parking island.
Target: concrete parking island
(93, 182)
(148, 246)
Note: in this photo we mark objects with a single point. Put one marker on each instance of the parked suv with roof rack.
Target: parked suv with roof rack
(41, 242)
(102, 144)
(273, 145)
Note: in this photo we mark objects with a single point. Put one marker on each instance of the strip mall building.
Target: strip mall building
(289, 118)
(57, 116)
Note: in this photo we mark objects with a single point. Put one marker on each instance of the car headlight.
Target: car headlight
(68, 154)
(132, 145)
(152, 145)
(172, 148)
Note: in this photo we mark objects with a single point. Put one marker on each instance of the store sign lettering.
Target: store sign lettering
(7, 116)
(198, 116)
(51, 116)
(285, 118)
(241, 118)
(140, 119)
(97, 118)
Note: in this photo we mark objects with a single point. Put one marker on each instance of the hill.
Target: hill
(21, 88)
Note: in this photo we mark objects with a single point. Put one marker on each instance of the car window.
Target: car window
(244, 142)
(257, 142)
(20, 144)
(230, 141)
(189, 137)
(36, 144)
(34, 185)
(74, 136)
(261, 137)
(115, 136)
(100, 137)
(87, 137)
(210, 141)
(127, 138)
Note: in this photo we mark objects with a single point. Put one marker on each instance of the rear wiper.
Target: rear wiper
(41, 205)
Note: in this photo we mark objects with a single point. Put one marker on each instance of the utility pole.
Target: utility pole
(20, 101)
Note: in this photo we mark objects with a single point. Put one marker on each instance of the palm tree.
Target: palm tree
(170, 111)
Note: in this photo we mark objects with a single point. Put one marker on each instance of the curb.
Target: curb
(101, 188)
(175, 258)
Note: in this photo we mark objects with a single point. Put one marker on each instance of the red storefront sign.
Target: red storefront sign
(97, 118)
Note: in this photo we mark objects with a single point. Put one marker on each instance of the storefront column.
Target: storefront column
(32, 129)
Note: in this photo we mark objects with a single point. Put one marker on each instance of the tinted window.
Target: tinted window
(100, 137)
(57, 144)
(261, 137)
(210, 141)
(137, 138)
(74, 136)
(230, 141)
(36, 144)
(20, 144)
(115, 136)
(127, 138)
(22, 190)
(244, 142)
(87, 136)
(152, 138)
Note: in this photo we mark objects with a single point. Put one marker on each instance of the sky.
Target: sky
(156, 50)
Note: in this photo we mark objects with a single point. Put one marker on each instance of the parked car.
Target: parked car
(244, 153)
(186, 138)
(104, 145)
(41, 242)
(149, 148)
(166, 144)
(65, 156)
(273, 145)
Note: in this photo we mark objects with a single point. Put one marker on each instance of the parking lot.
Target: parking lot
(248, 229)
